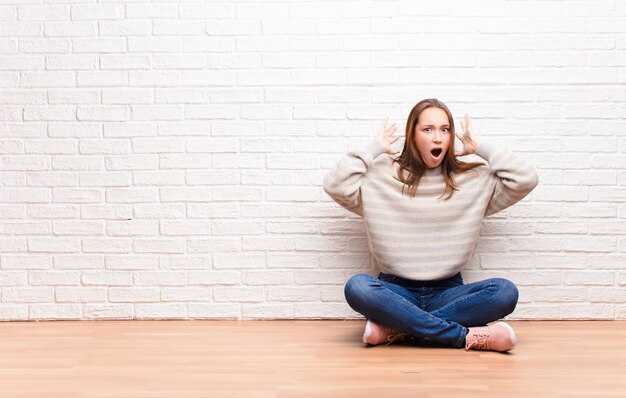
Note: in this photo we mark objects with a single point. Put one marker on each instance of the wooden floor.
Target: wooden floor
(300, 359)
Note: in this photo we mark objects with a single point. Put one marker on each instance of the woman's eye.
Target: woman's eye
(446, 130)
(427, 130)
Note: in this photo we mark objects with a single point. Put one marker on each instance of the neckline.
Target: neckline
(436, 172)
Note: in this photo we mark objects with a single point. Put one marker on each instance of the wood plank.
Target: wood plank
(300, 359)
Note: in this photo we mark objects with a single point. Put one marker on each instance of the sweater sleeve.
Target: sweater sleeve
(514, 177)
(343, 182)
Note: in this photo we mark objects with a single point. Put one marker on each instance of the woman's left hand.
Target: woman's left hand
(468, 138)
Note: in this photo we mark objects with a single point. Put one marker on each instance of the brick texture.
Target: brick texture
(165, 159)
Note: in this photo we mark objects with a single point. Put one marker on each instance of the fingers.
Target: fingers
(387, 130)
(468, 122)
(386, 137)
(384, 125)
(392, 129)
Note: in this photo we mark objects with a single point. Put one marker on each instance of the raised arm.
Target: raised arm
(343, 182)
(513, 177)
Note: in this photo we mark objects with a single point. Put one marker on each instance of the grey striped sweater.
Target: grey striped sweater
(424, 237)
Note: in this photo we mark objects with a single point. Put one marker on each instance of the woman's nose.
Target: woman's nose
(437, 137)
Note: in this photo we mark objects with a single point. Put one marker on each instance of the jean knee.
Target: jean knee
(507, 294)
(356, 288)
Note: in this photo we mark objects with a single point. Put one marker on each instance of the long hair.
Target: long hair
(411, 160)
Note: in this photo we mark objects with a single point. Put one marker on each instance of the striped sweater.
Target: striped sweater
(424, 237)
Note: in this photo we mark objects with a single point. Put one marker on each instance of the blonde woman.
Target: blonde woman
(423, 210)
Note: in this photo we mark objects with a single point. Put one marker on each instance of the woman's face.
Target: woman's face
(432, 136)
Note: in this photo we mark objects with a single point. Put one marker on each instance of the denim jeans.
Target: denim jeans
(439, 311)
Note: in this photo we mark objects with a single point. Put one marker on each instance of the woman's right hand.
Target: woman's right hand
(386, 138)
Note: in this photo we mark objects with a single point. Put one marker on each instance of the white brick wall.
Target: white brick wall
(164, 159)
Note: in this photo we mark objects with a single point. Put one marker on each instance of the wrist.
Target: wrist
(485, 150)
(476, 145)
(375, 148)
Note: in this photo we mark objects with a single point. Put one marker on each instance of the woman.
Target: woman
(423, 211)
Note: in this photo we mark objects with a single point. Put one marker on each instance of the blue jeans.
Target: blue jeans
(439, 311)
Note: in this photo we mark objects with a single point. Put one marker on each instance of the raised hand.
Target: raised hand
(468, 138)
(386, 138)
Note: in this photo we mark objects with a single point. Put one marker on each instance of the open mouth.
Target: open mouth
(436, 152)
